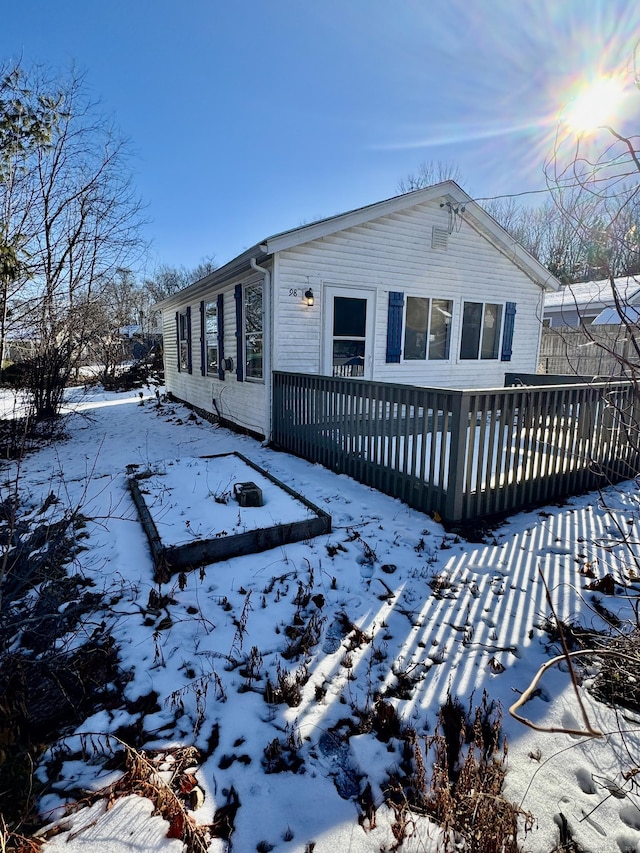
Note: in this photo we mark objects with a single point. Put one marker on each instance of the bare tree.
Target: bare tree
(117, 313)
(206, 266)
(428, 173)
(167, 279)
(595, 185)
(594, 180)
(552, 237)
(80, 224)
(26, 124)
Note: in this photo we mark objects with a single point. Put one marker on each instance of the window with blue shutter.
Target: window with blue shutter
(394, 327)
(239, 334)
(507, 335)
(220, 336)
(482, 327)
(427, 329)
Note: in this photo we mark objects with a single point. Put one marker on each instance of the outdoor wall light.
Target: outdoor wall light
(309, 297)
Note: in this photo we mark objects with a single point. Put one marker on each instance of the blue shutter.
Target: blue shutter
(507, 333)
(220, 336)
(394, 327)
(189, 362)
(203, 341)
(178, 339)
(239, 336)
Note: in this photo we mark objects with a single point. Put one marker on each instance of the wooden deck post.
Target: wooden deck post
(454, 500)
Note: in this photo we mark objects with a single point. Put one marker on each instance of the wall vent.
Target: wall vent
(439, 238)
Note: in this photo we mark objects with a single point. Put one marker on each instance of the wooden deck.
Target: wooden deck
(462, 454)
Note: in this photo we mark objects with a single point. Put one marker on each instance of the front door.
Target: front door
(348, 332)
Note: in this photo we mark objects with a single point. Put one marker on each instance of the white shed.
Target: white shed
(421, 289)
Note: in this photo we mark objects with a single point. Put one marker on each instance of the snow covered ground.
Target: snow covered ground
(424, 610)
(192, 499)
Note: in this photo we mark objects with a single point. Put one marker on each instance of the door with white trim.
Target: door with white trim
(348, 331)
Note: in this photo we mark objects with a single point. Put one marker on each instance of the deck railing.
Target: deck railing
(462, 454)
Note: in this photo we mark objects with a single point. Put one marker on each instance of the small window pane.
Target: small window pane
(349, 317)
(491, 331)
(471, 323)
(440, 329)
(415, 333)
(348, 358)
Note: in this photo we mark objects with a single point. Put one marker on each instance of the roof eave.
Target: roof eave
(448, 190)
(325, 227)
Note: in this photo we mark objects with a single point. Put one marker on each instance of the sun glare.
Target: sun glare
(595, 104)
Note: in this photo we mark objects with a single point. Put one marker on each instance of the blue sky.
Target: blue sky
(249, 117)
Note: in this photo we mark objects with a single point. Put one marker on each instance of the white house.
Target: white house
(422, 289)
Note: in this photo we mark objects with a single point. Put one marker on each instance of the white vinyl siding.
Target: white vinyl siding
(389, 261)
(393, 253)
(243, 403)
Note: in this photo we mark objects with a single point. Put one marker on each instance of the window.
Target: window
(253, 322)
(427, 333)
(481, 329)
(211, 337)
(416, 328)
(184, 339)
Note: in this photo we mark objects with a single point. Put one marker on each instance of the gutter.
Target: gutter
(267, 317)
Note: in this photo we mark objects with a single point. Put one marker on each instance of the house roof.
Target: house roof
(447, 191)
(593, 296)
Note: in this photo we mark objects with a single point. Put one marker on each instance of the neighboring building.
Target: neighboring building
(421, 289)
(593, 302)
(590, 329)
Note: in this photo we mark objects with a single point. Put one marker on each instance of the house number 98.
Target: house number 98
(292, 292)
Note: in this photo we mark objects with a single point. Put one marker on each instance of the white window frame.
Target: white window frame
(184, 339)
(427, 332)
(246, 333)
(211, 338)
(497, 337)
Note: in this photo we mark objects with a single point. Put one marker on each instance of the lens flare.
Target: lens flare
(596, 104)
